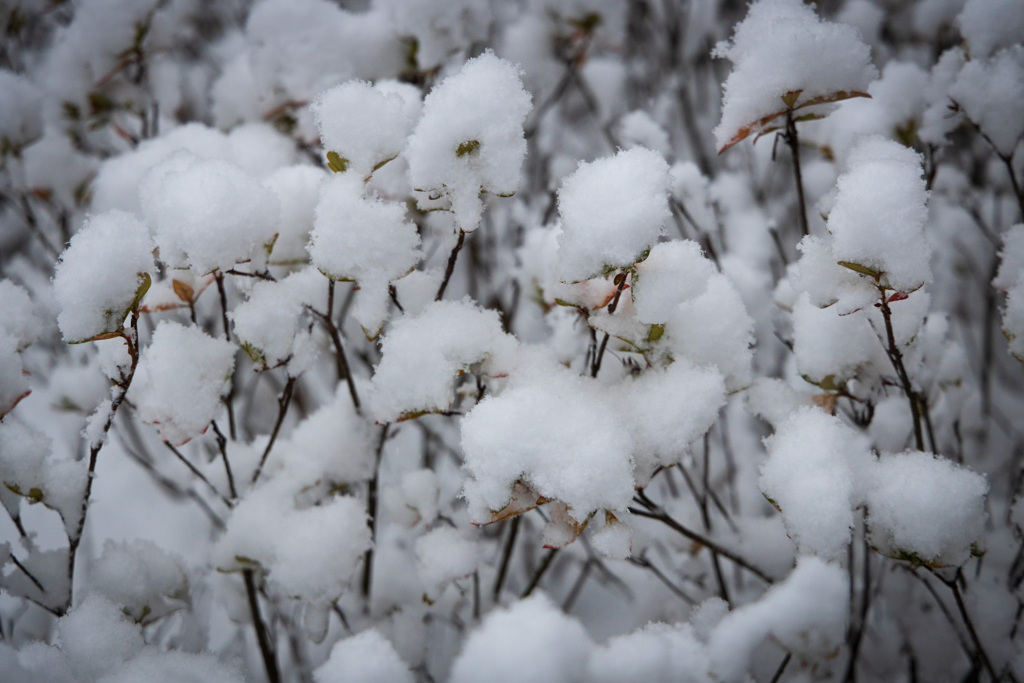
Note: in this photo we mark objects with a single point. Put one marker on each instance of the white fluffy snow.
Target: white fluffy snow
(613, 211)
(782, 47)
(926, 506)
(364, 124)
(101, 274)
(531, 641)
(470, 138)
(180, 379)
(879, 214)
(207, 214)
(368, 657)
(422, 355)
(816, 473)
(558, 434)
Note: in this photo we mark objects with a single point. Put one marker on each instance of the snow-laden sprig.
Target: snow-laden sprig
(787, 59)
(180, 379)
(422, 355)
(921, 508)
(363, 239)
(364, 126)
(470, 138)
(102, 275)
(613, 211)
(207, 214)
(876, 228)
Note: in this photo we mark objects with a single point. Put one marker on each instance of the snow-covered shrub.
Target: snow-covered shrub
(425, 340)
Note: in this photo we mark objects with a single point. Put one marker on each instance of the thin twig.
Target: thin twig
(262, 637)
(131, 337)
(282, 402)
(793, 141)
(506, 555)
(535, 581)
(896, 357)
(371, 513)
(196, 471)
(653, 512)
(450, 268)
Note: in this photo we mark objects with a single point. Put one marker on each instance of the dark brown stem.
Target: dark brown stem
(222, 446)
(506, 556)
(282, 409)
(341, 360)
(196, 471)
(782, 668)
(219, 277)
(979, 649)
(620, 284)
(26, 572)
(648, 565)
(450, 268)
(793, 141)
(371, 513)
(653, 512)
(131, 337)
(262, 637)
(537, 575)
(896, 356)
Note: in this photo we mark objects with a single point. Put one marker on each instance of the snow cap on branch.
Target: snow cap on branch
(470, 139)
(179, 381)
(613, 211)
(104, 272)
(786, 57)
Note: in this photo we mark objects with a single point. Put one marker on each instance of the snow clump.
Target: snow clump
(421, 356)
(364, 124)
(207, 214)
(613, 211)
(368, 657)
(101, 275)
(470, 138)
(180, 379)
(781, 50)
(531, 641)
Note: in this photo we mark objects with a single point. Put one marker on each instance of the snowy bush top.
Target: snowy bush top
(101, 275)
(557, 435)
(921, 507)
(361, 238)
(613, 210)
(470, 138)
(991, 94)
(421, 356)
(365, 125)
(270, 324)
(988, 25)
(532, 641)
(368, 656)
(816, 473)
(785, 57)
(879, 214)
(926, 509)
(179, 381)
(207, 214)
(293, 543)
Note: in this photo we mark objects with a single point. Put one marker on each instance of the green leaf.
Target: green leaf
(655, 333)
(790, 98)
(858, 268)
(467, 148)
(336, 162)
